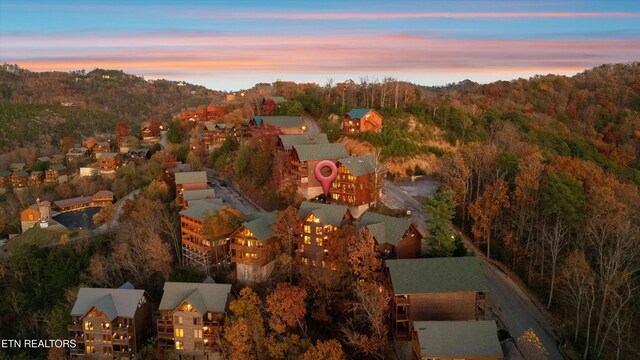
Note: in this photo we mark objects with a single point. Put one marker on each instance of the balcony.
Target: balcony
(75, 327)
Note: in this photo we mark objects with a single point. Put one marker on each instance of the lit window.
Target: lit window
(91, 350)
(197, 333)
(307, 229)
(179, 345)
(88, 325)
(318, 231)
(319, 241)
(307, 239)
(179, 332)
(179, 320)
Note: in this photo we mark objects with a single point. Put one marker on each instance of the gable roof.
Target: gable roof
(330, 151)
(190, 195)
(199, 209)
(358, 113)
(280, 121)
(288, 141)
(108, 155)
(361, 165)
(75, 201)
(260, 224)
(44, 159)
(15, 166)
(57, 167)
(436, 275)
(444, 339)
(385, 229)
(191, 177)
(329, 214)
(112, 302)
(205, 297)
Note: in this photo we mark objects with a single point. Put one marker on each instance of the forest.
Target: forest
(545, 174)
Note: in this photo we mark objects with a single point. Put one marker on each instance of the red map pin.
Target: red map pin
(326, 180)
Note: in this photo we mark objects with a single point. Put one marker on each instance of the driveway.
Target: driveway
(312, 126)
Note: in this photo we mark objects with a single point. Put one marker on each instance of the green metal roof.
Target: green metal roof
(191, 177)
(112, 302)
(437, 275)
(199, 209)
(109, 155)
(361, 165)
(458, 339)
(385, 229)
(288, 141)
(22, 173)
(205, 297)
(17, 166)
(5, 173)
(57, 167)
(280, 121)
(44, 159)
(327, 213)
(260, 225)
(331, 151)
(358, 113)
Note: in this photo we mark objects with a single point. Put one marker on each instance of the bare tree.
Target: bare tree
(555, 240)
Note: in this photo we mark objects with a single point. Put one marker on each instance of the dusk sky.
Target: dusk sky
(229, 45)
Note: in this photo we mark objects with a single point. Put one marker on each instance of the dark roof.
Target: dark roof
(80, 200)
(320, 151)
(57, 167)
(191, 177)
(361, 165)
(458, 339)
(280, 121)
(436, 275)
(103, 194)
(109, 155)
(205, 297)
(327, 213)
(15, 166)
(190, 195)
(5, 173)
(44, 159)
(288, 141)
(385, 229)
(22, 173)
(199, 209)
(260, 225)
(358, 113)
(112, 302)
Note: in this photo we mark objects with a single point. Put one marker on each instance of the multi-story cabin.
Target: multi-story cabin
(109, 162)
(397, 238)
(435, 289)
(110, 323)
(205, 247)
(19, 179)
(456, 340)
(57, 159)
(36, 178)
(303, 160)
(359, 181)
(253, 247)
(192, 180)
(358, 120)
(214, 135)
(34, 214)
(202, 113)
(319, 221)
(17, 167)
(124, 144)
(151, 130)
(195, 195)
(78, 153)
(287, 142)
(101, 148)
(55, 174)
(278, 124)
(5, 178)
(191, 316)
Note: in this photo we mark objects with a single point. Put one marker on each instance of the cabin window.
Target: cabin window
(307, 239)
(318, 230)
(30, 216)
(179, 345)
(90, 349)
(319, 241)
(179, 332)
(179, 320)
(88, 325)
(196, 321)
(197, 333)
(307, 229)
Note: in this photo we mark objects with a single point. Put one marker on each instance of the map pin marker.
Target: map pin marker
(326, 180)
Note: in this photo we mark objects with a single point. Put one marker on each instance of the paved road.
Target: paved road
(507, 300)
(312, 126)
(229, 195)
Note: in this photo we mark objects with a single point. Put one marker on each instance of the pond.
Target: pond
(78, 219)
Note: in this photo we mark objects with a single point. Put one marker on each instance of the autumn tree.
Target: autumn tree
(456, 177)
(486, 209)
(106, 215)
(285, 229)
(268, 107)
(530, 346)
(122, 130)
(442, 207)
(217, 226)
(325, 350)
(244, 331)
(286, 305)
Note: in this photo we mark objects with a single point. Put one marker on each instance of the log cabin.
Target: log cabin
(253, 247)
(396, 238)
(319, 221)
(456, 340)
(55, 174)
(302, 162)
(109, 163)
(36, 178)
(286, 142)
(17, 167)
(78, 153)
(101, 147)
(278, 124)
(5, 178)
(110, 323)
(435, 289)
(200, 248)
(191, 316)
(358, 120)
(191, 180)
(19, 179)
(359, 181)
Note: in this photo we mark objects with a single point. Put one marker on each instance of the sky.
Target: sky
(231, 45)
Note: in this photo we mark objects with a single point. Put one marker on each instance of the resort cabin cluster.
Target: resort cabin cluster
(115, 323)
(41, 212)
(214, 135)
(202, 113)
(44, 171)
